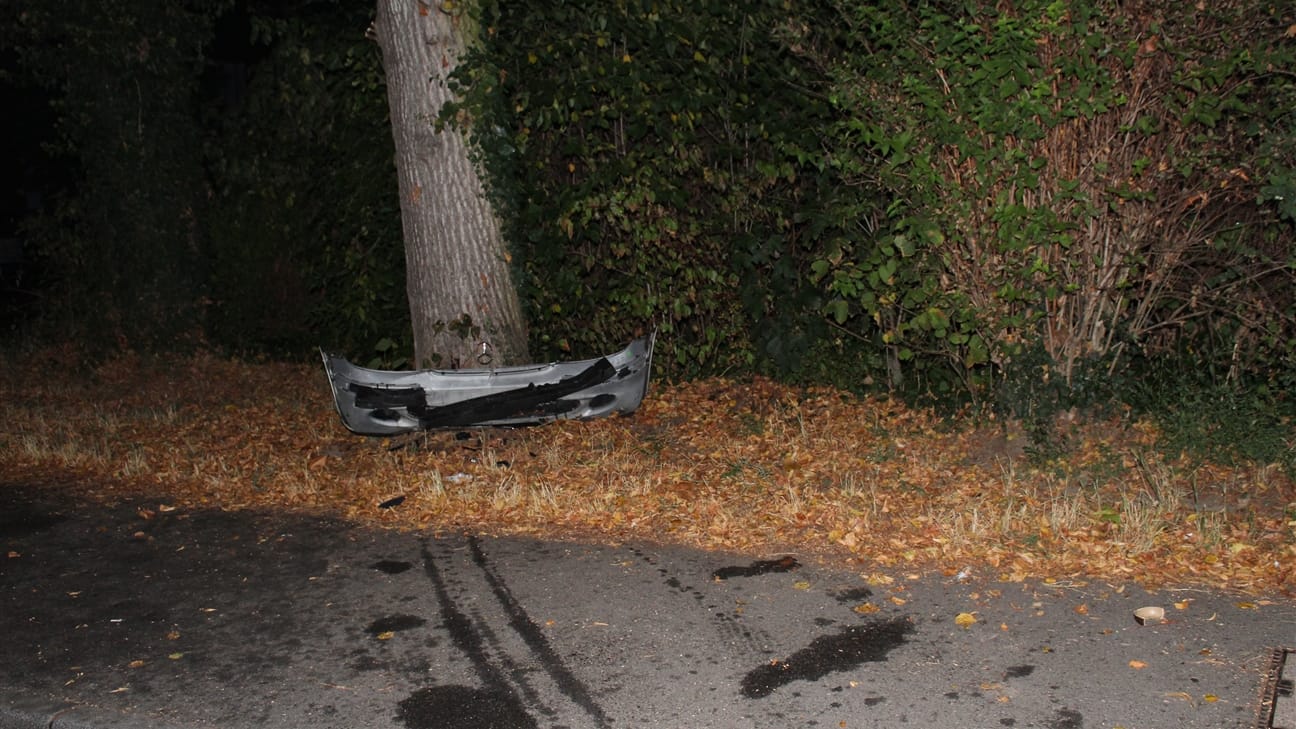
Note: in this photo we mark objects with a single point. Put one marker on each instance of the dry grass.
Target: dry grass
(754, 466)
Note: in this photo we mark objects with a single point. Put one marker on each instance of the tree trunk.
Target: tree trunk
(463, 305)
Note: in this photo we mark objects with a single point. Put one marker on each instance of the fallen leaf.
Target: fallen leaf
(1081, 609)
(135, 664)
(386, 635)
(1210, 698)
(801, 585)
(867, 608)
(964, 620)
(898, 600)
(175, 656)
(1246, 605)
(1137, 665)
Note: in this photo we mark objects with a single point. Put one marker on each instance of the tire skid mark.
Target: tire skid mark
(729, 627)
(504, 663)
(465, 633)
(525, 627)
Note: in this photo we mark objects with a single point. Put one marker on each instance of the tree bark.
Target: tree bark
(463, 306)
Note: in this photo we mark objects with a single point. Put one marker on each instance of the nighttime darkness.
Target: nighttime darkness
(654, 362)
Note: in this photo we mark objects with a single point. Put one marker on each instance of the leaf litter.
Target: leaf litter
(864, 483)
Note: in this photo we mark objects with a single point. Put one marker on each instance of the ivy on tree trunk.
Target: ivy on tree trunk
(463, 305)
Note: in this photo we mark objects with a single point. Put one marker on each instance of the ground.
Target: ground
(866, 483)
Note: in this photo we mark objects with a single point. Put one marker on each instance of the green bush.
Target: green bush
(649, 161)
(1073, 179)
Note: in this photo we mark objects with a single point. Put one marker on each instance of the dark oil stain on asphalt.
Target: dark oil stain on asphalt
(463, 707)
(1019, 671)
(1066, 719)
(856, 594)
(786, 564)
(391, 566)
(857, 644)
(394, 623)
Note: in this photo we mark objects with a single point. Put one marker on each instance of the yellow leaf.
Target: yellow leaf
(1210, 698)
(898, 600)
(964, 620)
(1137, 665)
(1246, 605)
(867, 608)
(176, 656)
(1181, 605)
(136, 664)
(386, 635)
(801, 585)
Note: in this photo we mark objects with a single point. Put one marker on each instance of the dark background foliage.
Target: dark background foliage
(1031, 206)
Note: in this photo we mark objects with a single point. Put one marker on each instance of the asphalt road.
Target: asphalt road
(137, 616)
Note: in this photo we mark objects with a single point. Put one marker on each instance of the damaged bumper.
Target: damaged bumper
(384, 402)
